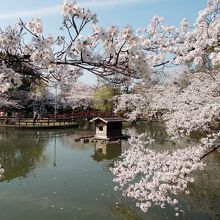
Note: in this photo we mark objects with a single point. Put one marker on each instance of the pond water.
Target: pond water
(50, 176)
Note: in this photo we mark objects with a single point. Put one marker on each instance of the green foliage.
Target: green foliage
(103, 98)
(39, 87)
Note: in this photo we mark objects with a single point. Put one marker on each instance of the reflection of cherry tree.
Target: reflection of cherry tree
(2, 170)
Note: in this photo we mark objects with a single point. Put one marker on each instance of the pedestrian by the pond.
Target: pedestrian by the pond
(35, 116)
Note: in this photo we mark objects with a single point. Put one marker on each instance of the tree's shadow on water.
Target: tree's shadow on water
(154, 130)
(20, 153)
(205, 191)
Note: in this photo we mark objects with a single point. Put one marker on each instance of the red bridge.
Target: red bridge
(78, 115)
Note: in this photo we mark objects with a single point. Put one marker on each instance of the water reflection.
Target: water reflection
(154, 130)
(70, 179)
(124, 212)
(21, 154)
(205, 191)
(107, 150)
(55, 152)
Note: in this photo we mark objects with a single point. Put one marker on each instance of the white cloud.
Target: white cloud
(55, 9)
(47, 11)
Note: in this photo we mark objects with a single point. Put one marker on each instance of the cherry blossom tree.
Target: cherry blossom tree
(78, 95)
(110, 51)
(5, 103)
(192, 101)
(132, 106)
(104, 52)
(196, 47)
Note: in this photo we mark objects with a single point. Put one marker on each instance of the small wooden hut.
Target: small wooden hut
(108, 128)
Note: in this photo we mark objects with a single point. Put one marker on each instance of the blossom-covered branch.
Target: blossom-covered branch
(106, 52)
(155, 178)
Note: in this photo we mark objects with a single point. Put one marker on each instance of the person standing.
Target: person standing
(35, 116)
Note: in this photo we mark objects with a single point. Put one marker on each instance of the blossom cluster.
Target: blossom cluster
(133, 105)
(155, 178)
(78, 95)
(71, 8)
(108, 50)
(189, 101)
(199, 45)
(193, 102)
(42, 53)
(6, 102)
(8, 78)
(63, 76)
(9, 40)
(36, 26)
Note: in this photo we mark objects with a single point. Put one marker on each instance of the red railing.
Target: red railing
(78, 115)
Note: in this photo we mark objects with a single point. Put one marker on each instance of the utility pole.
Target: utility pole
(55, 104)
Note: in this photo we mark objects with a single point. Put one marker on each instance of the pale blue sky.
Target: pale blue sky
(118, 12)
